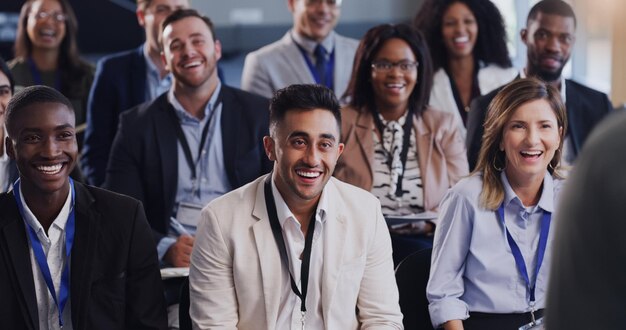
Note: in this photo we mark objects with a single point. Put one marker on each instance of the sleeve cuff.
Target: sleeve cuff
(163, 246)
(447, 309)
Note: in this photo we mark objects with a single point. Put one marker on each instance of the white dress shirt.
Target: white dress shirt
(289, 315)
(472, 267)
(54, 247)
(4, 171)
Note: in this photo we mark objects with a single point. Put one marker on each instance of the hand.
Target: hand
(453, 325)
(179, 254)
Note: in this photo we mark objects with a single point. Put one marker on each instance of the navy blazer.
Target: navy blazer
(114, 274)
(119, 84)
(144, 157)
(585, 108)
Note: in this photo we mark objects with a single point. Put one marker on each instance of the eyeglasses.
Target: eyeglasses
(385, 66)
(58, 17)
(332, 3)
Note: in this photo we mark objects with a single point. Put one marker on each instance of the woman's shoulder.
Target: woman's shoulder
(469, 185)
(436, 119)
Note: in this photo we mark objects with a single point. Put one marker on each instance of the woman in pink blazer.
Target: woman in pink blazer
(396, 147)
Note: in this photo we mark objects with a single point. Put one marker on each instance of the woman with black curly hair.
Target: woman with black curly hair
(467, 42)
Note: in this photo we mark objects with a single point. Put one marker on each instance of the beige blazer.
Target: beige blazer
(281, 64)
(236, 275)
(441, 152)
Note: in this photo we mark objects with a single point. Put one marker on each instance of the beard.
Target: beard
(546, 75)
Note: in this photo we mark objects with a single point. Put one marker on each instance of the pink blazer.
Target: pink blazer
(441, 152)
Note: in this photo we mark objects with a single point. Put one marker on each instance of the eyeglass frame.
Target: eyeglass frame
(333, 3)
(56, 16)
(409, 65)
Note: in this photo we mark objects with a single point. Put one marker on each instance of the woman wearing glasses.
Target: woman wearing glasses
(46, 52)
(467, 42)
(404, 152)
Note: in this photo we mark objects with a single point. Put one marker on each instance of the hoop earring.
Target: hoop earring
(496, 166)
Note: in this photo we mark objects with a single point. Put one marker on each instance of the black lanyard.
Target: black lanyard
(408, 124)
(280, 242)
(183, 140)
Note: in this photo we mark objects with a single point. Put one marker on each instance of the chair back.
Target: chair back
(412, 276)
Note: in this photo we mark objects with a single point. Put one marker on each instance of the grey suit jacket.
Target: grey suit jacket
(281, 64)
(236, 275)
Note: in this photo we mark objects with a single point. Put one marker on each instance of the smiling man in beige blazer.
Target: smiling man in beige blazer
(296, 248)
(310, 52)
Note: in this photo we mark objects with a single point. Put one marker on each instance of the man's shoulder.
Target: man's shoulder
(123, 58)
(583, 91)
(146, 110)
(346, 41)
(348, 194)
(244, 96)
(105, 200)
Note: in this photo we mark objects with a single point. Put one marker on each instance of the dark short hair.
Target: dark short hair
(491, 39)
(552, 7)
(5, 69)
(303, 97)
(29, 96)
(182, 13)
(360, 91)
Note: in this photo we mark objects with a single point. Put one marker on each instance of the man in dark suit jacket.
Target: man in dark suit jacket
(122, 81)
(148, 158)
(110, 269)
(549, 37)
(9, 172)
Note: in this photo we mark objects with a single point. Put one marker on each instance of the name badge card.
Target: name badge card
(188, 214)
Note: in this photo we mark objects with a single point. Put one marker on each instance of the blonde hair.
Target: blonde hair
(491, 160)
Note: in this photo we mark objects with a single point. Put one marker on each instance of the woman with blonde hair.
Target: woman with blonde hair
(492, 247)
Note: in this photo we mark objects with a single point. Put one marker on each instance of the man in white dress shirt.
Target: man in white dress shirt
(296, 248)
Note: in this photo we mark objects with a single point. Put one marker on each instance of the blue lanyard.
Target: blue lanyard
(40, 256)
(328, 69)
(517, 254)
(36, 74)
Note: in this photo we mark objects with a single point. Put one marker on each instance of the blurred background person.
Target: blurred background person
(492, 248)
(467, 42)
(8, 170)
(396, 147)
(587, 287)
(122, 81)
(46, 53)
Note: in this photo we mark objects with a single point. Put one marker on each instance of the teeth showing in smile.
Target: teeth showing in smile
(52, 169)
(192, 64)
(531, 153)
(47, 32)
(394, 85)
(306, 174)
(461, 39)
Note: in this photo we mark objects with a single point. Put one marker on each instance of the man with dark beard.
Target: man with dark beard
(192, 144)
(549, 37)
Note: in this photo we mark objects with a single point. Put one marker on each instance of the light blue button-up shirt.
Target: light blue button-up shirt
(155, 86)
(211, 181)
(472, 266)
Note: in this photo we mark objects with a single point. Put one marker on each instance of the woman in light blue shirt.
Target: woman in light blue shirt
(492, 247)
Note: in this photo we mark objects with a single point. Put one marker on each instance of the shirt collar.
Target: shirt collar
(522, 74)
(546, 201)
(183, 114)
(309, 45)
(283, 212)
(59, 222)
(150, 66)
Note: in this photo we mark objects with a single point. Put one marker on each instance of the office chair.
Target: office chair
(412, 276)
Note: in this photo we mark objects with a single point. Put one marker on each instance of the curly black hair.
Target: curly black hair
(490, 45)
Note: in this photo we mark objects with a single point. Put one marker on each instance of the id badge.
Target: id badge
(537, 325)
(188, 214)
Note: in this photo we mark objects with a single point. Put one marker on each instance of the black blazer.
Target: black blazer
(115, 279)
(585, 108)
(144, 157)
(119, 84)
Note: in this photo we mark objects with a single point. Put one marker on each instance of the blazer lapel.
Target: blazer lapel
(342, 68)
(137, 74)
(424, 143)
(18, 253)
(83, 252)
(269, 257)
(572, 106)
(334, 239)
(165, 133)
(293, 57)
(231, 117)
(363, 132)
